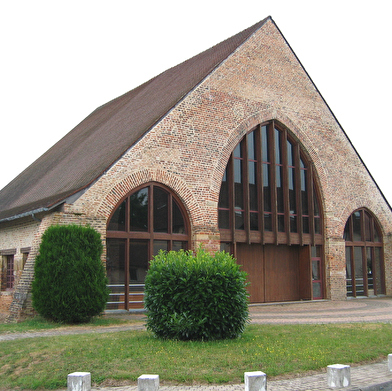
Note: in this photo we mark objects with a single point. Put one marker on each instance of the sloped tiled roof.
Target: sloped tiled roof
(80, 157)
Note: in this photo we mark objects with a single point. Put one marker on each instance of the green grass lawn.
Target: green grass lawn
(124, 356)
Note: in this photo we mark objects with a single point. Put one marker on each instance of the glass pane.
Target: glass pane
(279, 189)
(317, 290)
(138, 260)
(160, 245)
(316, 251)
(278, 159)
(317, 225)
(225, 247)
(347, 235)
(293, 224)
(368, 221)
(266, 188)
(139, 210)
(267, 222)
(358, 270)
(377, 235)
(292, 198)
(316, 207)
(224, 192)
(115, 261)
(349, 282)
(281, 223)
(254, 221)
(117, 222)
(238, 151)
(115, 270)
(251, 146)
(290, 154)
(316, 270)
(305, 225)
(161, 199)
(224, 221)
(356, 216)
(369, 263)
(177, 245)
(239, 220)
(264, 144)
(304, 193)
(253, 199)
(178, 220)
(238, 188)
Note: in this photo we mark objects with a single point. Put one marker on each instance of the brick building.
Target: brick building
(233, 149)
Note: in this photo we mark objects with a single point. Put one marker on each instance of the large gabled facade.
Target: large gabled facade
(234, 149)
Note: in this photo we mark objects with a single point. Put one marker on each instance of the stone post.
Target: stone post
(390, 362)
(338, 375)
(79, 381)
(255, 381)
(148, 383)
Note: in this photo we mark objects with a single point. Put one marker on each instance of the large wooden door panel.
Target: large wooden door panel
(251, 259)
(282, 273)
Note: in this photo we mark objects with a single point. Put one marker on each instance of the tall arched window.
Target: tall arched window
(270, 217)
(364, 255)
(268, 194)
(149, 219)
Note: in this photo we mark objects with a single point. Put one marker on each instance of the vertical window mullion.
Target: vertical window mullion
(311, 204)
(231, 197)
(274, 206)
(297, 156)
(260, 188)
(285, 183)
(245, 184)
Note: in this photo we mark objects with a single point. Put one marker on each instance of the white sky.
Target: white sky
(60, 60)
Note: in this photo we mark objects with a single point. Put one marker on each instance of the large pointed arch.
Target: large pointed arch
(270, 215)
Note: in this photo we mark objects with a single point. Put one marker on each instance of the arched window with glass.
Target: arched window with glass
(364, 255)
(268, 193)
(150, 219)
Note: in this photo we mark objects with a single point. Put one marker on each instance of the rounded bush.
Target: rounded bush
(196, 297)
(70, 281)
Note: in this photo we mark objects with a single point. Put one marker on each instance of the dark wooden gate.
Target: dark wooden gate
(275, 273)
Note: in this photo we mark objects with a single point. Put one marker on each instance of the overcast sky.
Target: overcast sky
(60, 60)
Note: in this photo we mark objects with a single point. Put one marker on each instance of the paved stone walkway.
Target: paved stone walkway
(369, 377)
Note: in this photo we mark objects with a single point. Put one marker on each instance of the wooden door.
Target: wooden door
(251, 259)
(273, 272)
(282, 273)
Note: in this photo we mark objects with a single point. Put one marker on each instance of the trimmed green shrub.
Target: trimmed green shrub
(196, 297)
(70, 281)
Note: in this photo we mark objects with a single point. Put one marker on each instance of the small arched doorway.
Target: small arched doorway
(149, 219)
(365, 275)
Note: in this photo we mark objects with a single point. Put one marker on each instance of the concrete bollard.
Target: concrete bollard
(148, 383)
(390, 362)
(338, 375)
(255, 381)
(79, 381)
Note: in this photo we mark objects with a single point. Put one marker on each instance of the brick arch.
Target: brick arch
(138, 178)
(351, 207)
(264, 116)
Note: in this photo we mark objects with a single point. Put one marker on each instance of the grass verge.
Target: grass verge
(115, 358)
(38, 323)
